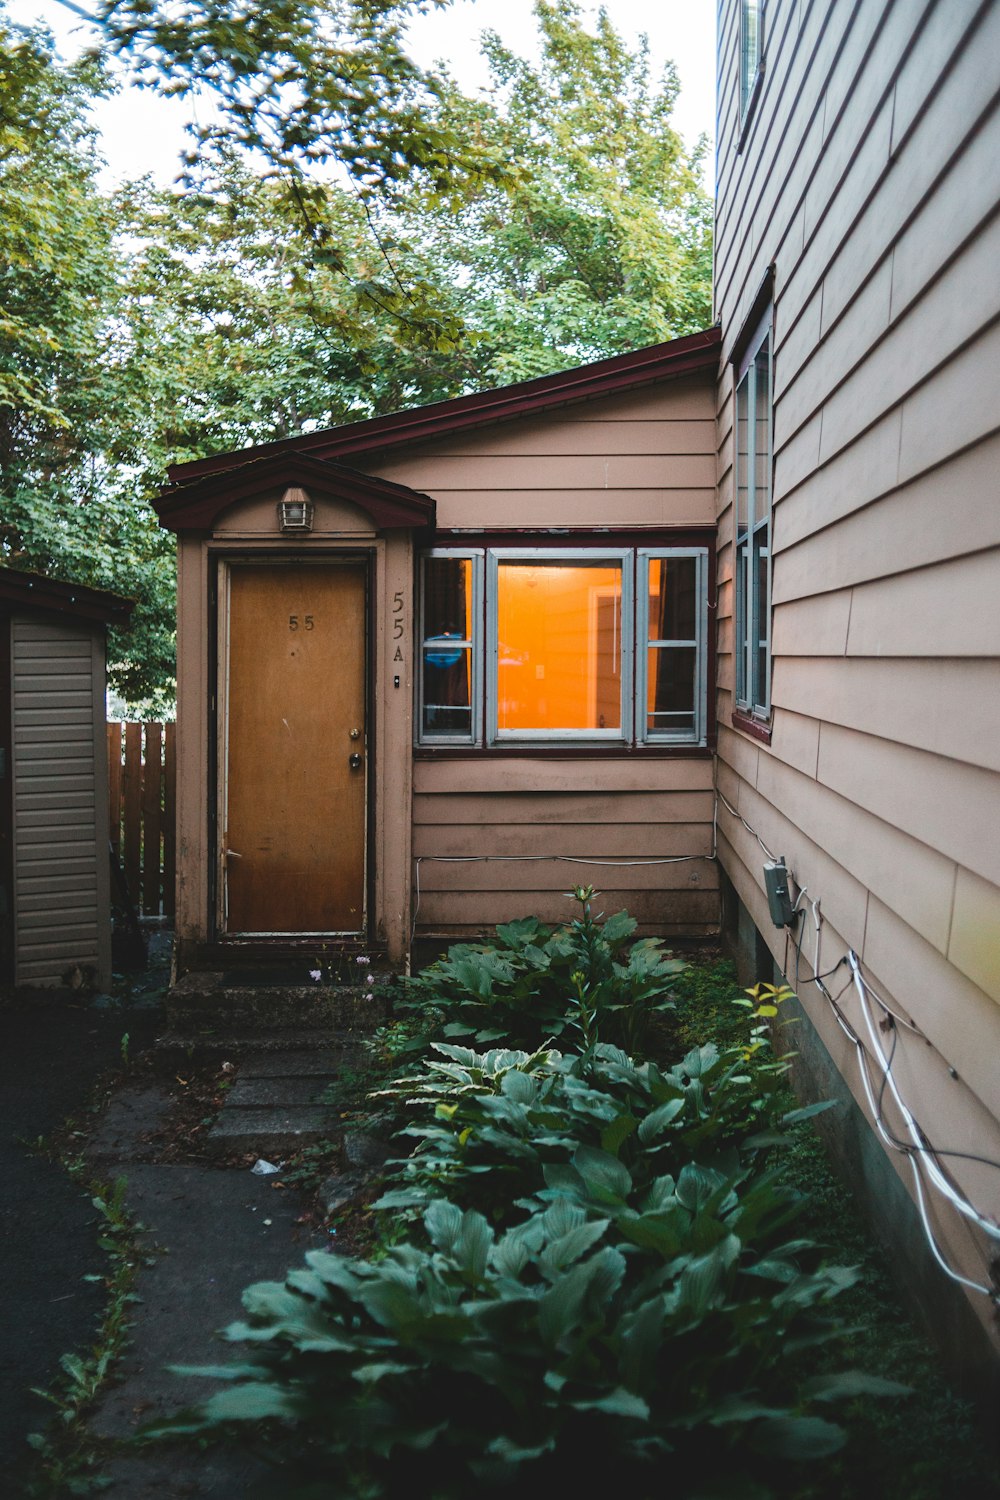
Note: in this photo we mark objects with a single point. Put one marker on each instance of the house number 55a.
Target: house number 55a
(293, 622)
(398, 627)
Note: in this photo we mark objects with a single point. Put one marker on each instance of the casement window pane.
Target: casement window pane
(671, 674)
(762, 641)
(447, 696)
(673, 599)
(750, 39)
(448, 598)
(446, 649)
(742, 455)
(762, 443)
(559, 645)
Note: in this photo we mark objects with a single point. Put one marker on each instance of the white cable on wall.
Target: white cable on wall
(921, 1156)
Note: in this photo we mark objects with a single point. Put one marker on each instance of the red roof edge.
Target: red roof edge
(684, 356)
(35, 591)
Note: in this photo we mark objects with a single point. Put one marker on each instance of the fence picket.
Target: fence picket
(142, 801)
(115, 785)
(169, 818)
(132, 802)
(152, 792)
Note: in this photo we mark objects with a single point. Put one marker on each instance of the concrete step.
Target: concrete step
(215, 1002)
(259, 1049)
(279, 1101)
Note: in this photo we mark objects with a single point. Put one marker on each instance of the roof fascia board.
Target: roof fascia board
(34, 591)
(197, 505)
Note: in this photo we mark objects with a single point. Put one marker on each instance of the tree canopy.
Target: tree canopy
(353, 235)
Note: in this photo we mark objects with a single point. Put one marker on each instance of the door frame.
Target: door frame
(219, 744)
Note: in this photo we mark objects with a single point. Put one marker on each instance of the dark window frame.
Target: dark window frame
(752, 526)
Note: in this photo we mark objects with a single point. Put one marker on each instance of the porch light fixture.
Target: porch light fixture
(295, 511)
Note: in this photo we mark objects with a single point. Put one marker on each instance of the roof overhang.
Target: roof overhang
(198, 504)
(697, 353)
(35, 591)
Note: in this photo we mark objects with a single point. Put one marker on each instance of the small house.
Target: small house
(55, 902)
(437, 668)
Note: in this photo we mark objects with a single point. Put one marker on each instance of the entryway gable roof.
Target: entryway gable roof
(695, 353)
(197, 505)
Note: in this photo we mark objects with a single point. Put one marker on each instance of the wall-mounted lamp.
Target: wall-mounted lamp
(295, 511)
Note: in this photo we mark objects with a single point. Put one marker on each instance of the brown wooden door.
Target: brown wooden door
(294, 833)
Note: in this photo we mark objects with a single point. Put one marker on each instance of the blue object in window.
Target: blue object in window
(440, 658)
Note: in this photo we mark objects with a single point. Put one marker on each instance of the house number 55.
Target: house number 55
(293, 622)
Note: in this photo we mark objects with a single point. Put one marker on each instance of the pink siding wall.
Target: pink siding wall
(868, 176)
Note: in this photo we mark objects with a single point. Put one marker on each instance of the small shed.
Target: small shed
(438, 667)
(55, 904)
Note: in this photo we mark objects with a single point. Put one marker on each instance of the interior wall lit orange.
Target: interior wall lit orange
(559, 647)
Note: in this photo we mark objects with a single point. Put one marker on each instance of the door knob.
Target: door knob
(354, 761)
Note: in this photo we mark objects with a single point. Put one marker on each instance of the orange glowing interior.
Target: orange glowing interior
(559, 661)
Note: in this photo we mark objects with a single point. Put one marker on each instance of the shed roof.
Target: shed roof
(35, 591)
(697, 352)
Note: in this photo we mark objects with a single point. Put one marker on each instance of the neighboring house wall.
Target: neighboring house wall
(494, 831)
(868, 176)
(61, 869)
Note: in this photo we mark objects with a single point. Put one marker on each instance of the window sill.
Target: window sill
(757, 729)
(563, 752)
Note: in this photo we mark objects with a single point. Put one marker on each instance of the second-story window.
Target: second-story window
(753, 526)
(751, 49)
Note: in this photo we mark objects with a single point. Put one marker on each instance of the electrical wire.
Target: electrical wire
(731, 809)
(517, 859)
(921, 1155)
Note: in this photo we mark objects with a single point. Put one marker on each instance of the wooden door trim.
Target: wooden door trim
(218, 735)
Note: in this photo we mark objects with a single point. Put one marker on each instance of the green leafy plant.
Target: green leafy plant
(68, 1457)
(537, 983)
(488, 1359)
(488, 1125)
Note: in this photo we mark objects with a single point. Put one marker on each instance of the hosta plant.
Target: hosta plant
(545, 1355)
(488, 1124)
(536, 983)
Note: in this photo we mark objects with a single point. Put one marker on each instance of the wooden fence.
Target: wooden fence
(141, 786)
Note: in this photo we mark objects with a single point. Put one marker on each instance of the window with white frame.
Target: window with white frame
(753, 525)
(542, 645)
(751, 49)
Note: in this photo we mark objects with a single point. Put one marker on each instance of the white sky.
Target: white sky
(142, 133)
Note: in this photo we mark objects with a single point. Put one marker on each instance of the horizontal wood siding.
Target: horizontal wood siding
(868, 177)
(643, 459)
(499, 837)
(60, 807)
(496, 839)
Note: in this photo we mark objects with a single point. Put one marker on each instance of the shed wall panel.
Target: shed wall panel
(61, 897)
